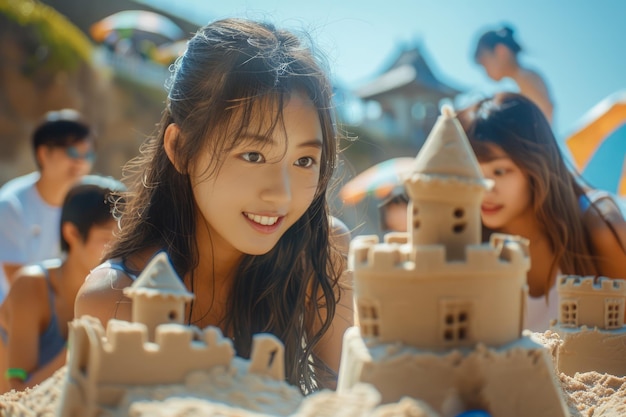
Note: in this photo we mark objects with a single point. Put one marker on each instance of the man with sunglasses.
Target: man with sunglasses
(30, 205)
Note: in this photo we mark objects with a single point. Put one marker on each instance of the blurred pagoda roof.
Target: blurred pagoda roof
(410, 73)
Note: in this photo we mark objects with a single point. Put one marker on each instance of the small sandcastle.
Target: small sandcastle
(591, 325)
(157, 348)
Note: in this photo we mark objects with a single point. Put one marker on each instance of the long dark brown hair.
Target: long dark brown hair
(519, 128)
(232, 69)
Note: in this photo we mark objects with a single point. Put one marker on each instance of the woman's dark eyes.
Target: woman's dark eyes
(254, 157)
(305, 162)
(257, 158)
(501, 171)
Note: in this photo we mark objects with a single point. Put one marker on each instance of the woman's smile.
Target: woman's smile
(264, 224)
(490, 209)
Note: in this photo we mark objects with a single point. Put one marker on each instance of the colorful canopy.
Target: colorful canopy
(598, 146)
(378, 180)
(168, 52)
(136, 20)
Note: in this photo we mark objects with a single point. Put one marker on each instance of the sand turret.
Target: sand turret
(446, 189)
(158, 295)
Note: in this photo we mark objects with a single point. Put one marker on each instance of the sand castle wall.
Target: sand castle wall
(591, 350)
(102, 365)
(127, 357)
(591, 325)
(457, 381)
(585, 301)
(454, 303)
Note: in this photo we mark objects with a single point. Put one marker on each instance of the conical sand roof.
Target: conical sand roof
(447, 151)
(159, 279)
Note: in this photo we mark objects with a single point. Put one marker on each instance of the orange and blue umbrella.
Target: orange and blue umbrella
(168, 52)
(378, 181)
(131, 21)
(598, 145)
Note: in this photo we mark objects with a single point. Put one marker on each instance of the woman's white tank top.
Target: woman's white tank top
(541, 311)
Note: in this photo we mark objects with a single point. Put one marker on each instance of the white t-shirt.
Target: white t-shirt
(540, 312)
(29, 227)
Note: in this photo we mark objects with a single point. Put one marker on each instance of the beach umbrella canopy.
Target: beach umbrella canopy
(378, 180)
(168, 52)
(598, 145)
(131, 21)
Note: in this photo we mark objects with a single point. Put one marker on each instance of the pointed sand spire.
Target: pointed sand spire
(447, 151)
(159, 278)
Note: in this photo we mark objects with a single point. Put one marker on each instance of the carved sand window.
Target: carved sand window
(613, 313)
(459, 226)
(569, 313)
(369, 318)
(416, 220)
(457, 316)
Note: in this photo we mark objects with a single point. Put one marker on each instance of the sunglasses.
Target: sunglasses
(73, 153)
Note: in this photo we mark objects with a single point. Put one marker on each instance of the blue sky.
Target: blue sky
(576, 44)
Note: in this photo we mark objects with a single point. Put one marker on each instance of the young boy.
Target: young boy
(34, 316)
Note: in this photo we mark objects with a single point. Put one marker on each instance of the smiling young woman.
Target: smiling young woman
(233, 187)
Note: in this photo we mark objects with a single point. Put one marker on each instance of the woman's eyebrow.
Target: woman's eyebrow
(254, 137)
(313, 143)
(494, 159)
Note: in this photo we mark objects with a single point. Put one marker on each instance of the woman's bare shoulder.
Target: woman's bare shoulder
(532, 85)
(102, 296)
(605, 218)
(28, 292)
(608, 208)
(29, 285)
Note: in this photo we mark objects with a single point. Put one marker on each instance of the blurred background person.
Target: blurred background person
(30, 205)
(572, 229)
(381, 186)
(497, 52)
(40, 303)
(392, 211)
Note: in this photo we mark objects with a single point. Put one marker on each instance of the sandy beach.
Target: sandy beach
(588, 394)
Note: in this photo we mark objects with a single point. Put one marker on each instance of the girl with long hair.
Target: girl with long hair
(233, 187)
(571, 228)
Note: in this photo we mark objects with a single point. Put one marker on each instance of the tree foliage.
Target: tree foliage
(52, 42)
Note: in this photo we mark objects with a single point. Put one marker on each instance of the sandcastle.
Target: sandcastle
(440, 320)
(591, 325)
(440, 313)
(123, 370)
(155, 348)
